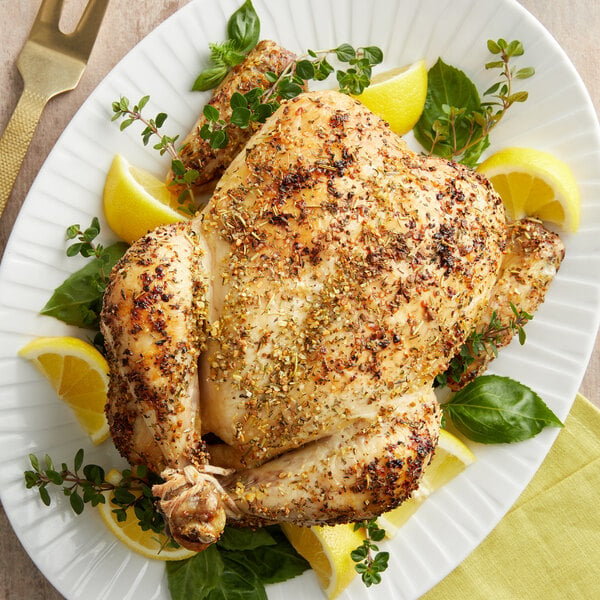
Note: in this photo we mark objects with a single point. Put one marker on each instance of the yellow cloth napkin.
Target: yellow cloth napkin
(548, 545)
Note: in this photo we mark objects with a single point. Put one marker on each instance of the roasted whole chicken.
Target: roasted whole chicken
(274, 357)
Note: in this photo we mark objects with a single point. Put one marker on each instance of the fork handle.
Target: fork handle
(16, 139)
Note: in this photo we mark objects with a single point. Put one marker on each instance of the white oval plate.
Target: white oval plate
(77, 554)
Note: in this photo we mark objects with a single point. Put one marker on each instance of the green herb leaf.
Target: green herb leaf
(211, 114)
(448, 86)
(195, 577)
(225, 54)
(305, 69)
(374, 54)
(44, 495)
(272, 563)
(76, 503)
(233, 538)
(237, 582)
(209, 78)
(493, 409)
(78, 300)
(345, 52)
(243, 27)
(240, 116)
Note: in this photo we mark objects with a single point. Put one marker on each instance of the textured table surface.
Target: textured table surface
(576, 26)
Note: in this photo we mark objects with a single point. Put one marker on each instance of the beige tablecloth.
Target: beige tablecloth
(575, 24)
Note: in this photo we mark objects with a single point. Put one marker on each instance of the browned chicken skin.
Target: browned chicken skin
(196, 152)
(531, 261)
(340, 273)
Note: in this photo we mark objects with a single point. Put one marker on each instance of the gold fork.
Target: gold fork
(50, 63)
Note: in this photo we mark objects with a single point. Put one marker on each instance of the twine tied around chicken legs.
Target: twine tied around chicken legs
(196, 477)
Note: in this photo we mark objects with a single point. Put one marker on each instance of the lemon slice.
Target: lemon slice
(79, 375)
(136, 202)
(451, 458)
(398, 96)
(533, 183)
(148, 543)
(327, 549)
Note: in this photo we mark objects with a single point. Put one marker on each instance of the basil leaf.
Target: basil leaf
(237, 582)
(233, 538)
(225, 54)
(273, 563)
(243, 27)
(493, 409)
(78, 300)
(447, 87)
(196, 577)
(209, 78)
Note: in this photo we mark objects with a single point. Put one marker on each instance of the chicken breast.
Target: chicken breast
(345, 272)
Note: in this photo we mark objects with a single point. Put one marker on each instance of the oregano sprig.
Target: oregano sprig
(258, 104)
(316, 65)
(370, 562)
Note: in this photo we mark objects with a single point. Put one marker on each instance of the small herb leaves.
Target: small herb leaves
(257, 105)
(485, 340)
(78, 300)
(493, 409)
(181, 175)
(448, 126)
(456, 122)
(368, 565)
(238, 566)
(83, 484)
(243, 29)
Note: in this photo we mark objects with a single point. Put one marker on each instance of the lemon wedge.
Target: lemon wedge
(148, 543)
(451, 458)
(327, 549)
(533, 183)
(135, 201)
(398, 96)
(79, 375)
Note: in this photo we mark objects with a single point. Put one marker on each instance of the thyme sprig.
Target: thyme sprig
(485, 340)
(85, 246)
(87, 484)
(370, 563)
(166, 144)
